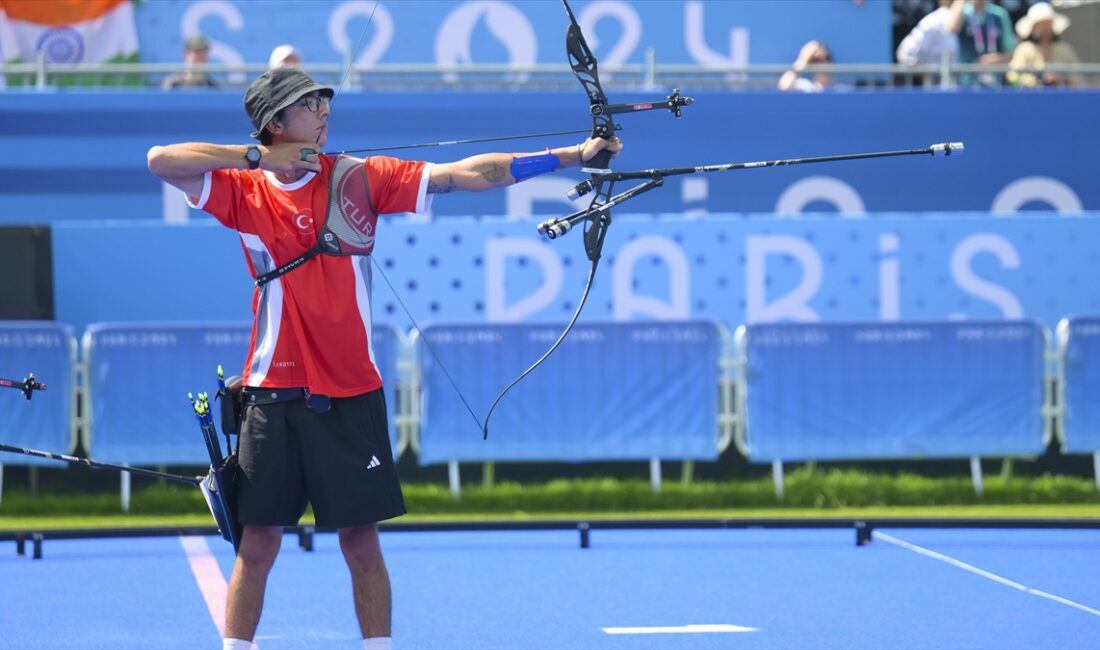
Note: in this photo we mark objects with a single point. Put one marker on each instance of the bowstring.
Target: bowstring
(427, 345)
(355, 50)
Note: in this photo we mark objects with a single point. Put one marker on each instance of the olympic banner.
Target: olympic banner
(709, 33)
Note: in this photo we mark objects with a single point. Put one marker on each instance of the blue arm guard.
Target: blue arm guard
(525, 167)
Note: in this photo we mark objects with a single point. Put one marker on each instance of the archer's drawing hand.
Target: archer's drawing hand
(593, 146)
(287, 158)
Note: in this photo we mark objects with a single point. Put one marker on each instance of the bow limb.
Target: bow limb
(585, 67)
(597, 219)
(545, 355)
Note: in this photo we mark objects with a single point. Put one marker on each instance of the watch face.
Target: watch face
(252, 155)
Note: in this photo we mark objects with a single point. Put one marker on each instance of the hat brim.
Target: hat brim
(293, 97)
(1027, 23)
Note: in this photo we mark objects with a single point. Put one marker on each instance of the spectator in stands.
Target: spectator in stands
(934, 37)
(284, 55)
(812, 53)
(196, 52)
(314, 428)
(1039, 31)
(985, 38)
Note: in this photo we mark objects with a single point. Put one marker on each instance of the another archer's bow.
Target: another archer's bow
(26, 386)
(598, 214)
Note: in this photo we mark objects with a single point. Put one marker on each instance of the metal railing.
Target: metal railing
(43, 75)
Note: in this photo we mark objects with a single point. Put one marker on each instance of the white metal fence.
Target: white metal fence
(44, 75)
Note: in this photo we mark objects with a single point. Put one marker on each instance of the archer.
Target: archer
(314, 428)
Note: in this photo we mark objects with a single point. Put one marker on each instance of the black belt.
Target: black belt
(318, 403)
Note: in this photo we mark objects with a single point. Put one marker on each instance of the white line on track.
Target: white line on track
(982, 572)
(679, 629)
(209, 577)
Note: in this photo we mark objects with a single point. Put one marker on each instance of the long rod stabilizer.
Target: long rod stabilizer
(557, 226)
(941, 149)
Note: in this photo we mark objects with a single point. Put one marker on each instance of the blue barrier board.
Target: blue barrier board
(860, 391)
(612, 391)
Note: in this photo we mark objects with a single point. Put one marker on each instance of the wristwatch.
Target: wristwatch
(252, 155)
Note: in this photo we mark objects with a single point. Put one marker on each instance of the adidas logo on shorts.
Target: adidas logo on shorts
(374, 462)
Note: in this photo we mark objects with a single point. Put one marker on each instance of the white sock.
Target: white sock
(378, 643)
(237, 644)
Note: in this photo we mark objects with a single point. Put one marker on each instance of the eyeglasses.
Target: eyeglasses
(313, 103)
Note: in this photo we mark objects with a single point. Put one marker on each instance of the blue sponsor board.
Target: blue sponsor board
(724, 268)
(83, 156)
(665, 402)
(898, 390)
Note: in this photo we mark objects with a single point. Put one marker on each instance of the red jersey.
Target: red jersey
(311, 326)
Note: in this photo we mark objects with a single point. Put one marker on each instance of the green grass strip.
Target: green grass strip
(808, 493)
(1072, 511)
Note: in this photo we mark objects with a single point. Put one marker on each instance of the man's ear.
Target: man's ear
(274, 127)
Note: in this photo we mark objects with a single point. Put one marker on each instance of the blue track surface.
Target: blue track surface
(797, 588)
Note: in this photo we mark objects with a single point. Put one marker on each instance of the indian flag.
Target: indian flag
(68, 31)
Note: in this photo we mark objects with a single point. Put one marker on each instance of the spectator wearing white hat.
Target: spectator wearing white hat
(284, 55)
(1039, 31)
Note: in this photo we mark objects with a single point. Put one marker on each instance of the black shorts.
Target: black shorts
(340, 461)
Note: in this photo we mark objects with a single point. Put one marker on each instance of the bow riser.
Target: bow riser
(584, 66)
